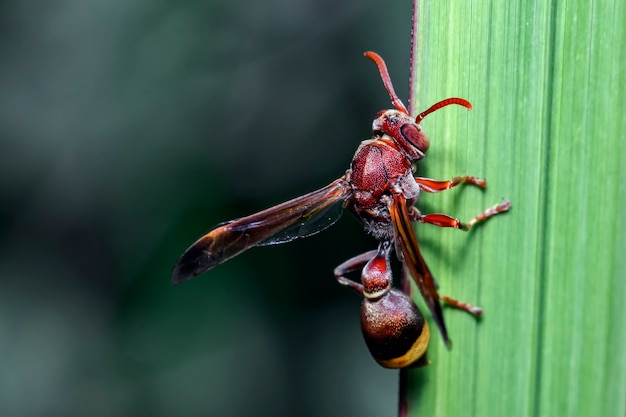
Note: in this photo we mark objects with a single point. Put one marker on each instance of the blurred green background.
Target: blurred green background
(128, 130)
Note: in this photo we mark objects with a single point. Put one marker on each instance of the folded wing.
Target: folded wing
(406, 242)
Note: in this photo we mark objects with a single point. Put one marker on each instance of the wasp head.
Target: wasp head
(402, 128)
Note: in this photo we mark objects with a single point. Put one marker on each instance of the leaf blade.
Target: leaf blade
(546, 131)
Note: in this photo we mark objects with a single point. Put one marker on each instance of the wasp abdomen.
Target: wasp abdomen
(394, 330)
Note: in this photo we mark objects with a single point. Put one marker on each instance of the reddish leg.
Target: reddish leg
(434, 186)
(470, 308)
(490, 212)
(443, 220)
(353, 264)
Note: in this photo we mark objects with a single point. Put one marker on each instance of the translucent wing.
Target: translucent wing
(307, 226)
(278, 224)
(406, 242)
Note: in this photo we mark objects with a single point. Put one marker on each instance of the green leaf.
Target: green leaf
(547, 82)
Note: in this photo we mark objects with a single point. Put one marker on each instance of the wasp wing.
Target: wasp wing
(232, 238)
(319, 220)
(406, 243)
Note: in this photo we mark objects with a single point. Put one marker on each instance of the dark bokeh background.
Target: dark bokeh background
(130, 128)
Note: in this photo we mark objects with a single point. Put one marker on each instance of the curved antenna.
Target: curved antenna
(443, 103)
(384, 74)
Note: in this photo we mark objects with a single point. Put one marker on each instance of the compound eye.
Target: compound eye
(413, 133)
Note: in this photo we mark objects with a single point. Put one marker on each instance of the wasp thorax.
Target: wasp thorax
(394, 330)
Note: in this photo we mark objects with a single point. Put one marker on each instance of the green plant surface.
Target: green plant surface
(547, 82)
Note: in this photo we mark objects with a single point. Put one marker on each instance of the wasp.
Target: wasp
(380, 190)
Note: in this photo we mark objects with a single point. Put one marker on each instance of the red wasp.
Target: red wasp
(380, 190)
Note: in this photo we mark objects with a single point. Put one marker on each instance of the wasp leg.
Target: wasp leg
(443, 220)
(470, 308)
(351, 265)
(435, 186)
